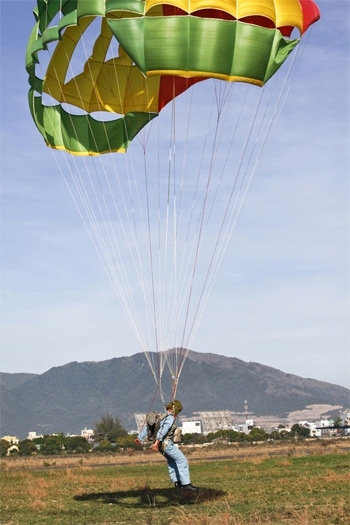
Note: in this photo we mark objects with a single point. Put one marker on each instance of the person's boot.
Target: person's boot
(189, 487)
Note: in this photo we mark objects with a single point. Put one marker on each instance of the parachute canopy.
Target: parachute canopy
(174, 45)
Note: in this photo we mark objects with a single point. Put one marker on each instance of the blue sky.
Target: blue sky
(281, 297)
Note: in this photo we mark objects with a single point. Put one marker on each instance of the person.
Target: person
(178, 466)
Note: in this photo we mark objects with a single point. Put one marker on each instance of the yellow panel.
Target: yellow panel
(281, 12)
(229, 6)
(264, 8)
(57, 69)
(141, 93)
(152, 3)
(289, 13)
(116, 86)
(208, 74)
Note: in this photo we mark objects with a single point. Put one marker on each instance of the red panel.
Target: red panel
(171, 86)
(311, 13)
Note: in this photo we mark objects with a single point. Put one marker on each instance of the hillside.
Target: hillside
(71, 397)
(11, 381)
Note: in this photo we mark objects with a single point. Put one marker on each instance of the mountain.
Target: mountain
(12, 381)
(74, 396)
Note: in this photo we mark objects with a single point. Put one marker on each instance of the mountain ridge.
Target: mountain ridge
(71, 397)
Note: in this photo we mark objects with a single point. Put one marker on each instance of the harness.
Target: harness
(169, 436)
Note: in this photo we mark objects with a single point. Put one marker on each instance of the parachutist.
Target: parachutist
(178, 466)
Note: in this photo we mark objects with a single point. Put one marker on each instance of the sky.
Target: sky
(281, 297)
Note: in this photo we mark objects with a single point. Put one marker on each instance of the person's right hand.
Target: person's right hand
(155, 446)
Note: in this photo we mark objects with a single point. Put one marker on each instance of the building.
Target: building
(214, 421)
(193, 426)
(34, 435)
(87, 433)
(13, 440)
(312, 426)
(246, 427)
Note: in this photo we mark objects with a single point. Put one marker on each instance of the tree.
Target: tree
(258, 434)
(299, 431)
(275, 435)
(76, 444)
(109, 428)
(53, 444)
(126, 442)
(27, 448)
(4, 446)
(338, 422)
(193, 439)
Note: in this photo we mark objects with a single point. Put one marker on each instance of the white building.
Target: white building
(87, 433)
(34, 435)
(191, 427)
(246, 427)
(326, 422)
(312, 426)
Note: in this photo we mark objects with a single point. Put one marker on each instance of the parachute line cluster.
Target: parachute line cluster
(173, 86)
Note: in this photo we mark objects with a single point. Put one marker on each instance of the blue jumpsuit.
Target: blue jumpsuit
(177, 462)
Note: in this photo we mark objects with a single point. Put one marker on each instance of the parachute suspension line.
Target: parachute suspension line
(195, 194)
(201, 223)
(154, 358)
(170, 301)
(201, 303)
(150, 253)
(220, 97)
(165, 276)
(92, 225)
(293, 65)
(222, 101)
(156, 365)
(173, 322)
(156, 368)
(83, 197)
(281, 98)
(175, 224)
(217, 253)
(183, 271)
(97, 239)
(115, 242)
(235, 212)
(181, 351)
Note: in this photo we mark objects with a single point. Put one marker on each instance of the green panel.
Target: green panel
(128, 6)
(91, 7)
(202, 45)
(81, 134)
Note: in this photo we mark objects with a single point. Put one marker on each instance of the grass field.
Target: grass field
(310, 486)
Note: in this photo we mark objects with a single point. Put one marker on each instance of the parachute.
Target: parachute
(151, 80)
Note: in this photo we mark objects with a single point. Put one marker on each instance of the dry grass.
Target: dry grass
(297, 484)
